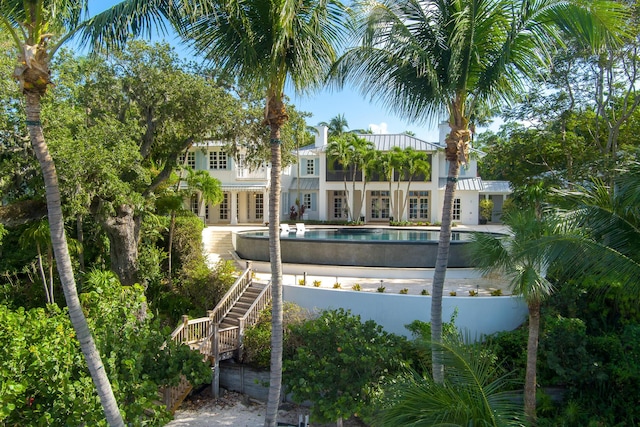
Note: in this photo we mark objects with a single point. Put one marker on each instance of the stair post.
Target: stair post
(240, 337)
(215, 384)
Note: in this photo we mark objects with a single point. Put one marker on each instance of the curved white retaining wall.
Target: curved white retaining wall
(476, 315)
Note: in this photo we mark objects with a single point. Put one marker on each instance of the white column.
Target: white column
(265, 205)
(234, 207)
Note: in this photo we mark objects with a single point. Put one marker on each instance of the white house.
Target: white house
(321, 188)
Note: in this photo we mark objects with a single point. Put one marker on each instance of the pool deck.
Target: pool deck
(415, 280)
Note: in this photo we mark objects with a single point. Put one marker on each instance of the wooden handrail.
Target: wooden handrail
(251, 316)
(192, 330)
(231, 297)
(253, 312)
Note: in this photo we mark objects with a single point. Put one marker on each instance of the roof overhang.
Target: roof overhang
(239, 188)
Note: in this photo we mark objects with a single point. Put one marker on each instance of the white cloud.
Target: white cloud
(381, 128)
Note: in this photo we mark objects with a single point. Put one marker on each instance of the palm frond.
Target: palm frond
(114, 27)
(475, 393)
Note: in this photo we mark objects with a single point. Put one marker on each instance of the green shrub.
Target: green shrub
(424, 292)
(496, 293)
(317, 283)
(404, 291)
(340, 364)
(44, 376)
(257, 339)
(356, 287)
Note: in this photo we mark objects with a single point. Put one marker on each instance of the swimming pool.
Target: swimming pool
(351, 246)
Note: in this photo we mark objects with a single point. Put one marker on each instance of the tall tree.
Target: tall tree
(265, 44)
(606, 220)
(339, 154)
(453, 58)
(126, 119)
(524, 255)
(38, 29)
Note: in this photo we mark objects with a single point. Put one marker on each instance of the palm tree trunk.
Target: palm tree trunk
(532, 360)
(276, 115)
(346, 196)
(442, 259)
(455, 142)
(61, 250)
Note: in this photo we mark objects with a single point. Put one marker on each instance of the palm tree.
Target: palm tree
(452, 58)
(38, 29)
(339, 153)
(203, 186)
(38, 233)
(605, 242)
(337, 125)
(475, 393)
(264, 44)
(525, 256)
(416, 163)
(360, 151)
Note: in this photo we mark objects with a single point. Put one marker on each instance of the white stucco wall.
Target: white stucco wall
(476, 315)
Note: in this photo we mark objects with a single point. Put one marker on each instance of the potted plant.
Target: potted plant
(486, 209)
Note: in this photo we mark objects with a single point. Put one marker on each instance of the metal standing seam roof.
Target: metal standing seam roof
(386, 142)
(243, 187)
(306, 184)
(503, 187)
(464, 184)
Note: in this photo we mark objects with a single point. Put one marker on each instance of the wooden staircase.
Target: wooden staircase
(219, 335)
(242, 306)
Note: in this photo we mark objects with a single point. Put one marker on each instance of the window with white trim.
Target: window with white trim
(456, 210)
(259, 205)
(418, 204)
(190, 160)
(379, 205)
(224, 206)
(306, 201)
(194, 204)
(217, 160)
(311, 167)
(339, 205)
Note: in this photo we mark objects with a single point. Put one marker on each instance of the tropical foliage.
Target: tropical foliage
(340, 363)
(475, 392)
(45, 380)
(458, 59)
(265, 45)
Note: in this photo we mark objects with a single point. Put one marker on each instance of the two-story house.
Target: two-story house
(319, 185)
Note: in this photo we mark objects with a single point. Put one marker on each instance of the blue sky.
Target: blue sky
(358, 110)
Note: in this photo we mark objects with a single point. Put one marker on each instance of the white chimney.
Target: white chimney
(321, 136)
(443, 131)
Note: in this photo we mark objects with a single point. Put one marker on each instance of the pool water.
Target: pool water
(365, 235)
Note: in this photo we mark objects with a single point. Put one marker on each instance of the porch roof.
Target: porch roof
(502, 187)
(305, 184)
(243, 187)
